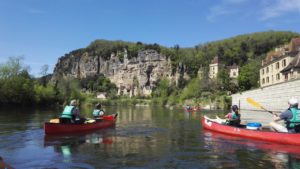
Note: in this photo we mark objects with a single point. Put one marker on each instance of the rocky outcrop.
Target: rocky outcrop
(135, 76)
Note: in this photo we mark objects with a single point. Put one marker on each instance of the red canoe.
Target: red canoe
(284, 138)
(57, 128)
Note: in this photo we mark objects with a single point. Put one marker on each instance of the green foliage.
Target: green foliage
(69, 88)
(162, 89)
(99, 84)
(241, 48)
(17, 89)
(223, 79)
(16, 85)
(13, 67)
(104, 48)
(249, 76)
(193, 89)
(45, 94)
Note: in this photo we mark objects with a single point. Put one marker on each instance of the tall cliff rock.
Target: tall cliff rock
(134, 76)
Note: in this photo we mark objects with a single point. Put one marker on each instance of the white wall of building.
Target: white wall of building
(274, 97)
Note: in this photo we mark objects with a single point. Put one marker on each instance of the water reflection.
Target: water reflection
(280, 156)
(66, 144)
(144, 137)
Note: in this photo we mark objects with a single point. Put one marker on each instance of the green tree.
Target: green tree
(249, 76)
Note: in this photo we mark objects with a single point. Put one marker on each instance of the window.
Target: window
(277, 76)
(267, 80)
(284, 63)
(277, 65)
(286, 77)
(292, 75)
(267, 71)
(271, 68)
(263, 81)
(234, 74)
(263, 71)
(272, 79)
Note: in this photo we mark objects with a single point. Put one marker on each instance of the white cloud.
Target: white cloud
(225, 7)
(279, 8)
(217, 11)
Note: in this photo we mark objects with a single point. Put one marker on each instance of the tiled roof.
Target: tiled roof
(291, 49)
(234, 66)
(215, 60)
(295, 63)
(295, 44)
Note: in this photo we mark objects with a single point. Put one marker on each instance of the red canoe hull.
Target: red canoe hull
(277, 137)
(56, 128)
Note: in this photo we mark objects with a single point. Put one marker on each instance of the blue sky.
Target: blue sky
(43, 30)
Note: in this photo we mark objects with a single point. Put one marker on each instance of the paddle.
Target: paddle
(257, 105)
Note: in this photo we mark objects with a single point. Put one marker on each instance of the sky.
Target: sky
(41, 31)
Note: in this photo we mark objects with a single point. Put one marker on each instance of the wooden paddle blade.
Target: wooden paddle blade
(254, 103)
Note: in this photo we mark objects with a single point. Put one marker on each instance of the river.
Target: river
(144, 137)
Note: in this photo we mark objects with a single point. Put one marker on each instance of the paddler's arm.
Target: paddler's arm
(282, 115)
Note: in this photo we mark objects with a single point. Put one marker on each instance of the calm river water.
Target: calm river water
(144, 137)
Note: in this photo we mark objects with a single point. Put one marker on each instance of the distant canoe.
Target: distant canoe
(276, 137)
(192, 109)
(57, 128)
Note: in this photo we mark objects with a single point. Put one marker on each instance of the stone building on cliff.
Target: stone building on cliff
(215, 66)
(281, 65)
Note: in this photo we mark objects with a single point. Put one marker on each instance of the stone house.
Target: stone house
(214, 67)
(274, 68)
(233, 71)
(292, 71)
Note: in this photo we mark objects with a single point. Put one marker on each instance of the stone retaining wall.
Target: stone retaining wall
(274, 98)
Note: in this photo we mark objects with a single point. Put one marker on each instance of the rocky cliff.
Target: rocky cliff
(137, 75)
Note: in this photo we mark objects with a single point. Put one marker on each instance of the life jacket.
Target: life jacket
(98, 113)
(67, 113)
(296, 117)
(233, 119)
(233, 116)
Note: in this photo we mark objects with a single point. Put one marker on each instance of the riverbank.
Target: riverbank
(218, 102)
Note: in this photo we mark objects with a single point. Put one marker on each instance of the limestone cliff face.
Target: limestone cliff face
(133, 76)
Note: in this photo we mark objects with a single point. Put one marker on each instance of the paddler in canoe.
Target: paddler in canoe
(291, 117)
(234, 117)
(98, 112)
(71, 114)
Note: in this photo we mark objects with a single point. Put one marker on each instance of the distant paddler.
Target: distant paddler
(98, 112)
(71, 114)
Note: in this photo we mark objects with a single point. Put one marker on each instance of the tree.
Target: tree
(43, 73)
(249, 76)
(12, 67)
(44, 70)
(223, 79)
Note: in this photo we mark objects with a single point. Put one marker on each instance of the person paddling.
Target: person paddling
(98, 112)
(71, 114)
(234, 117)
(291, 117)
